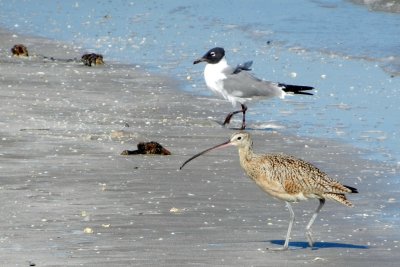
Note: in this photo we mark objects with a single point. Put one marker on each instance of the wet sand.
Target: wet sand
(70, 199)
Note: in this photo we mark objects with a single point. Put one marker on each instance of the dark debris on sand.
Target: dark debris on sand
(146, 148)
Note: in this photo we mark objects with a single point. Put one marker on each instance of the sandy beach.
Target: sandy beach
(70, 199)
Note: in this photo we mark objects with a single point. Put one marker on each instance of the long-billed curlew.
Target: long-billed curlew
(286, 178)
(237, 85)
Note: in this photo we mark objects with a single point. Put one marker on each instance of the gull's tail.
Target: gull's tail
(296, 89)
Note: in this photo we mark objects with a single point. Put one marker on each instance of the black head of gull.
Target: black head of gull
(213, 56)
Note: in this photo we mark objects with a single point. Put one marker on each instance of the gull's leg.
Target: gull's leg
(230, 115)
(310, 223)
(244, 109)
(286, 244)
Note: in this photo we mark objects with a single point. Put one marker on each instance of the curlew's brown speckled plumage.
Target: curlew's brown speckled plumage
(286, 178)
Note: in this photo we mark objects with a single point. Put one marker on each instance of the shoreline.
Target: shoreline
(69, 177)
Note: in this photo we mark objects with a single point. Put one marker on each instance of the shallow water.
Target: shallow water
(347, 52)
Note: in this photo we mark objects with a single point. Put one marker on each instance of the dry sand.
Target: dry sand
(69, 199)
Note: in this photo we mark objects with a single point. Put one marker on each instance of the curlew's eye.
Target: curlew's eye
(239, 138)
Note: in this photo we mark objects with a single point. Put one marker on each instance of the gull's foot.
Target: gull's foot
(228, 118)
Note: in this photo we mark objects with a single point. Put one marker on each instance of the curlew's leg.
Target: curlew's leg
(310, 223)
(230, 115)
(286, 244)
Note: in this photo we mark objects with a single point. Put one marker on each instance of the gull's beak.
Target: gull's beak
(202, 59)
(224, 144)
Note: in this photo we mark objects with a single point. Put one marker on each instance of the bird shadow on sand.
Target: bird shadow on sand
(318, 245)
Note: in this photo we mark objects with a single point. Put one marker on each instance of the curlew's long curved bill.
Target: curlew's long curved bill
(224, 144)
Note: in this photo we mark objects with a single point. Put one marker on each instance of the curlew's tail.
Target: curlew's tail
(352, 189)
(296, 89)
(341, 198)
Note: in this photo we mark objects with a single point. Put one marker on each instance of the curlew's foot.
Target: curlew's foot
(278, 249)
(282, 248)
(310, 239)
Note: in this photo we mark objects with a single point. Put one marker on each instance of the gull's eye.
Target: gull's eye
(212, 54)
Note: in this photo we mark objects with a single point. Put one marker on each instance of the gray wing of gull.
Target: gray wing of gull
(244, 66)
(244, 85)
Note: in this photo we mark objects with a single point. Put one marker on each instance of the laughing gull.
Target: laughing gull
(237, 85)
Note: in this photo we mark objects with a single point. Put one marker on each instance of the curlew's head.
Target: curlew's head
(239, 139)
(213, 56)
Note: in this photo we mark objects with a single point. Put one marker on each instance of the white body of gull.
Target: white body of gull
(238, 85)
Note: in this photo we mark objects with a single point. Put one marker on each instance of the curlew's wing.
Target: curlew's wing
(297, 175)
